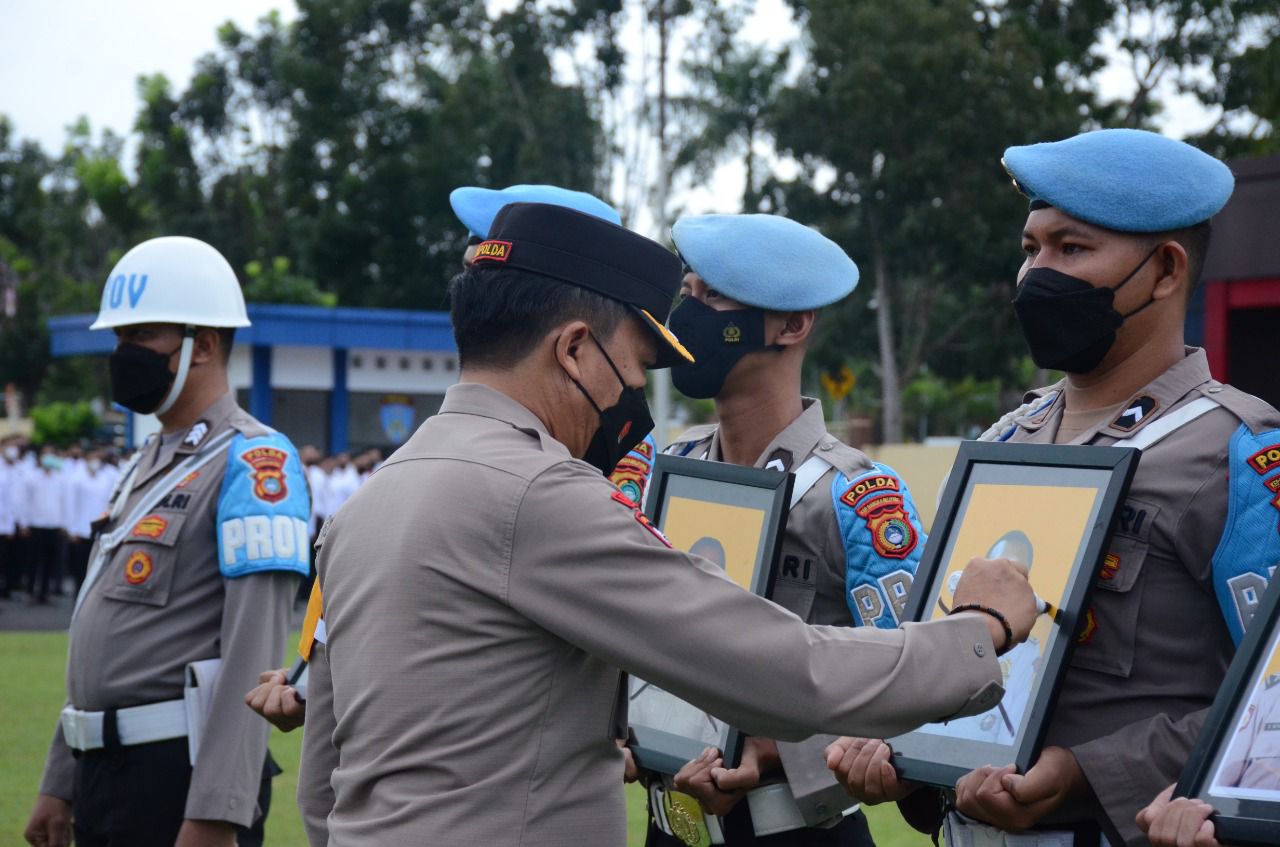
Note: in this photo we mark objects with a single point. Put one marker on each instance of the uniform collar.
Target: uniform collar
(160, 456)
(473, 398)
(1043, 405)
(793, 445)
(211, 421)
(1160, 395)
(1154, 399)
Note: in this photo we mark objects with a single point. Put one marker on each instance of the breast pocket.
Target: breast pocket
(1267, 746)
(142, 569)
(1109, 631)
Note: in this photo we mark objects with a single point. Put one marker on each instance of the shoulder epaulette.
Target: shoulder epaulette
(1254, 412)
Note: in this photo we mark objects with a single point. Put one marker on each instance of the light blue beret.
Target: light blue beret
(766, 261)
(477, 207)
(1123, 179)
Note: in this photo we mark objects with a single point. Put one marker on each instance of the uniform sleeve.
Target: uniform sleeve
(618, 591)
(59, 768)
(1249, 547)
(228, 769)
(319, 756)
(1126, 769)
(882, 540)
(263, 509)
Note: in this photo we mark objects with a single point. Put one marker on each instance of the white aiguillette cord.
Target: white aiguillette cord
(109, 541)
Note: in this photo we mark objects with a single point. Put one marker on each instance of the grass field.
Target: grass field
(31, 692)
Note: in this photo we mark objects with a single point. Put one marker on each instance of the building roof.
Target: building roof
(302, 326)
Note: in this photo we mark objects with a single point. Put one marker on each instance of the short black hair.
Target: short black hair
(1195, 241)
(500, 314)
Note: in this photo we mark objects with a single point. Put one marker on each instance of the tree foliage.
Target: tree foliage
(318, 154)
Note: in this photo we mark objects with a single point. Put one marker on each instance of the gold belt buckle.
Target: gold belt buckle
(684, 816)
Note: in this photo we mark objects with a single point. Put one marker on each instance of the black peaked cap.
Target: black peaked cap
(583, 250)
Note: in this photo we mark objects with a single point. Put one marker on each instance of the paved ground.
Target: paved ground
(18, 613)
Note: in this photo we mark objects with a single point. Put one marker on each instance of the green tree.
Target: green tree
(903, 110)
(63, 423)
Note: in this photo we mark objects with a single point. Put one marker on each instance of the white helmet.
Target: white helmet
(172, 280)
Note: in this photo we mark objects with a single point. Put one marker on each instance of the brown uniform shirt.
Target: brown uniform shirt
(811, 579)
(483, 592)
(1253, 757)
(811, 565)
(1154, 648)
(161, 602)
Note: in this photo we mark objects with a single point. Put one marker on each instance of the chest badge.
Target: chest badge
(137, 568)
(152, 526)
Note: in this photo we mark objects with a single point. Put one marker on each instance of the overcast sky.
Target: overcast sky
(63, 58)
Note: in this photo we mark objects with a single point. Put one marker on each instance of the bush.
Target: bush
(63, 423)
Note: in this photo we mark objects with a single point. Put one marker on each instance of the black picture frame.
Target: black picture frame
(686, 495)
(1242, 815)
(994, 493)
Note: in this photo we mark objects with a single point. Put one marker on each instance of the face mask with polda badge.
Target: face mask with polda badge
(718, 339)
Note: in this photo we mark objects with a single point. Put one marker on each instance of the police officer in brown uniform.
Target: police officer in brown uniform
(470, 681)
(751, 291)
(190, 580)
(1114, 244)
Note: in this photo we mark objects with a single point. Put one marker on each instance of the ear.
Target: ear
(796, 327)
(1171, 259)
(206, 346)
(570, 342)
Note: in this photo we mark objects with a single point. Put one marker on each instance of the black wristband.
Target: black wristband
(987, 610)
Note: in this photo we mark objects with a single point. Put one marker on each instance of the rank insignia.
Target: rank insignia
(137, 568)
(196, 434)
(1110, 567)
(1137, 412)
(268, 473)
(188, 479)
(152, 526)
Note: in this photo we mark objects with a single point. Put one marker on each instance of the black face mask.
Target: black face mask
(1070, 325)
(140, 377)
(717, 340)
(622, 426)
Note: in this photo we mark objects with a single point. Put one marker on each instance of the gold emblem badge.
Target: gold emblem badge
(732, 335)
(684, 816)
(138, 568)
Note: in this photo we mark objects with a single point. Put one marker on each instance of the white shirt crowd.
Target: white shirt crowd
(53, 489)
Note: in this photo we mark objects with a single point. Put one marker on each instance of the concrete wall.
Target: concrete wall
(923, 467)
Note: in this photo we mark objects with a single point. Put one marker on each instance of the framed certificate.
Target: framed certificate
(1235, 764)
(733, 517)
(1050, 507)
